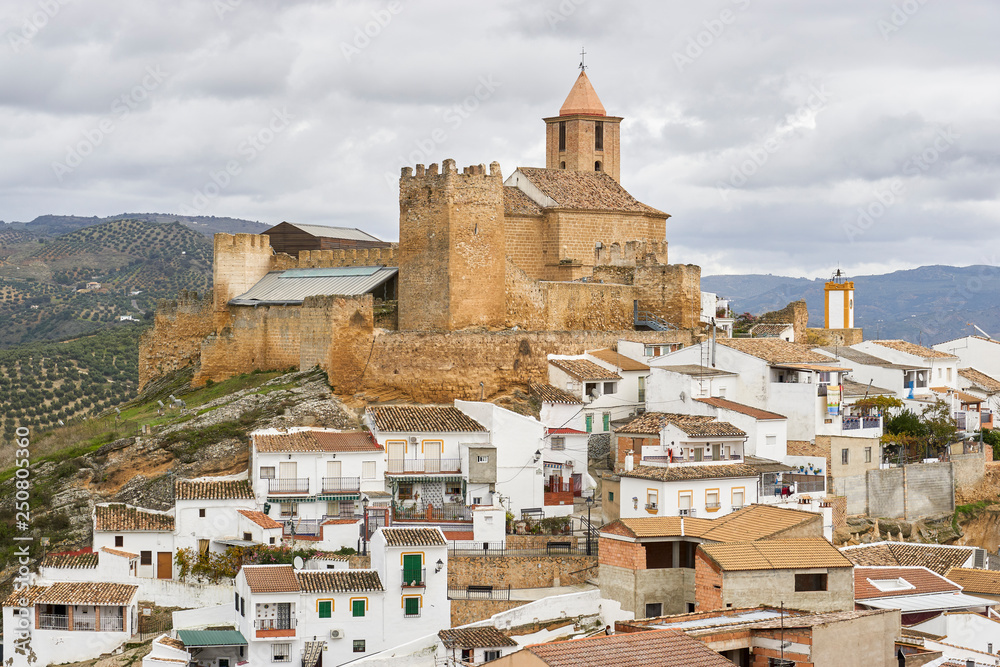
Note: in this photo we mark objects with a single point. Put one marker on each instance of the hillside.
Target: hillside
(925, 305)
(207, 225)
(136, 262)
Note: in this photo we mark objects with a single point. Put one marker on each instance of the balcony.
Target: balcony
(449, 512)
(857, 423)
(651, 508)
(426, 466)
(713, 507)
(81, 623)
(298, 485)
(274, 627)
(685, 512)
(414, 578)
(662, 460)
(558, 492)
(341, 484)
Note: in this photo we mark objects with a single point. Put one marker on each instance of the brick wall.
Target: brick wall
(624, 443)
(630, 555)
(707, 577)
(795, 636)
(519, 571)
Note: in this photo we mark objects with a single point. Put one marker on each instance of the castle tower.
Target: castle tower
(583, 137)
(839, 302)
(239, 262)
(451, 247)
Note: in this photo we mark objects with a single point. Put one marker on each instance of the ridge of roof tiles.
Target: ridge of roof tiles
(316, 441)
(214, 489)
(334, 581)
(423, 419)
(584, 369)
(776, 554)
(547, 393)
(913, 348)
(775, 350)
(127, 518)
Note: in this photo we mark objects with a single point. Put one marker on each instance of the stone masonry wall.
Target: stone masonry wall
(519, 571)
(175, 339)
(470, 611)
(577, 233)
(969, 469)
(527, 246)
(240, 261)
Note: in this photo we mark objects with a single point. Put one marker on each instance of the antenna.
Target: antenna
(583, 59)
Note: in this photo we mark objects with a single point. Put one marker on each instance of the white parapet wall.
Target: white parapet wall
(194, 619)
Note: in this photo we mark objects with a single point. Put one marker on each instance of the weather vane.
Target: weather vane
(583, 59)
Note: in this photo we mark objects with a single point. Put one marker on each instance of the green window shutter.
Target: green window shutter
(358, 608)
(325, 609)
(590, 423)
(611, 496)
(412, 569)
(607, 421)
(412, 606)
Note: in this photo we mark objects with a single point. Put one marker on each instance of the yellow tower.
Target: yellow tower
(583, 137)
(839, 302)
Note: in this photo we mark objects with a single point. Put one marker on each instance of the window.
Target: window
(267, 472)
(652, 498)
(589, 421)
(810, 582)
(655, 350)
(491, 654)
(482, 459)
(467, 655)
(654, 609)
(247, 537)
(738, 496)
(712, 499)
(598, 138)
(203, 546)
(477, 500)
(243, 606)
(845, 456)
(590, 388)
(453, 489)
(367, 470)
(359, 645)
(642, 389)
(562, 135)
(289, 509)
(411, 607)
(868, 454)
(281, 652)
(939, 374)
(558, 443)
(237, 601)
(413, 569)
(405, 491)
(597, 165)
(948, 374)
(562, 165)
(145, 558)
(824, 377)
(611, 496)
(684, 502)
(325, 608)
(201, 513)
(119, 540)
(358, 607)
(270, 540)
(606, 421)
(722, 392)
(609, 387)
(771, 440)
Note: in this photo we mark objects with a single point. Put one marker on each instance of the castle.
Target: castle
(490, 275)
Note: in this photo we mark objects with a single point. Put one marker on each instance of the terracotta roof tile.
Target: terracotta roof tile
(747, 410)
(546, 393)
(316, 441)
(271, 578)
(171, 642)
(516, 203)
(857, 356)
(914, 349)
(423, 419)
(851, 388)
(986, 582)
(935, 557)
(980, 379)
(74, 593)
(222, 489)
(776, 554)
(259, 518)
(806, 448)
(755, 522)
(774, 350)
(652, 423)
(485, 636)
(582, 99)
(338, 581)
(341, 558)
(119, 552)
(74, 561)
(918, 581)
(664, 648)
(769, 330)
(618, 360)
(413, 537)
(680, 472)
(595, 191)
(584, 370)
(126, 518)
(659, 526)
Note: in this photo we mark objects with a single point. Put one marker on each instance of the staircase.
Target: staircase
(645, 318)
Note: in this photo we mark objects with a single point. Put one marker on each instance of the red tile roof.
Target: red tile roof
(125, 518)
(976, 581)
(663, 648)
(338, 581)
(747, 410)
(261, 519)
(914, 349)
(581, 190)
(485, 636)
(915, 581)
(790, 554)
(423, 419)
(546, 393)
(222, 489)
(582, 99)
(71, 561)
(74, 593)
(316, 441)
(584, 369)
(935, 557)
(618, 360)
(413, 537)
(271, 578)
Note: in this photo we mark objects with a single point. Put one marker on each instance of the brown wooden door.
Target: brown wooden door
(164, 565)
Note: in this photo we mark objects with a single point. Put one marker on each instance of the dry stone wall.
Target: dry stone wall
(175, 339)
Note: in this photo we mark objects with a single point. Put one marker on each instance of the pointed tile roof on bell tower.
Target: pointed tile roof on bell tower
(582, 99)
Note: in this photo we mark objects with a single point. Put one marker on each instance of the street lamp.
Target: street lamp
(590, 504)
(364, 514)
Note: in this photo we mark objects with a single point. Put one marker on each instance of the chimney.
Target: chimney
(629, 461)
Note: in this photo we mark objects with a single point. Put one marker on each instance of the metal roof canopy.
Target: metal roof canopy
(192, 638)
(292, 286)
(929, 602)
(329, 231)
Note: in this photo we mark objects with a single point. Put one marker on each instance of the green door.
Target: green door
(412, 570)
(590, 423)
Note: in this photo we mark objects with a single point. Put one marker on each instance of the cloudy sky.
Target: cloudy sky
(783, 137)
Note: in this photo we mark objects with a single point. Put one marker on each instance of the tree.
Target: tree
(942, 430)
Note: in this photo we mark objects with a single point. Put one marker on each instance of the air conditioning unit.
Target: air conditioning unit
(413, 439)
(336, 634)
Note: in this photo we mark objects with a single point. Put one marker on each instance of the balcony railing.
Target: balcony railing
(341, 484)
(713, 506)
(871, 422)
(851, 423)
(686, 512)
(414, 578)
(445, 513)
(81, 623)
(651, 507)
(275, 627)
(288, 485)
(431, 466)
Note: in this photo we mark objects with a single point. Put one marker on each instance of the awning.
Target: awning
(192, 638)
(237, 543)
(291, 499)
(426, 478)
(339, 496)
(929, 602)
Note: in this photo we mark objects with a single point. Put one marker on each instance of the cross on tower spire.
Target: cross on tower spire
(583, 59)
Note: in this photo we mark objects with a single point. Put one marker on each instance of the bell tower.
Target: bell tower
(583, 137)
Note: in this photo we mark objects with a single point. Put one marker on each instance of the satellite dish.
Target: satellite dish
(297, 563)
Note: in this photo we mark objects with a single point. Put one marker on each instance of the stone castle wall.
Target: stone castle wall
(175, 339)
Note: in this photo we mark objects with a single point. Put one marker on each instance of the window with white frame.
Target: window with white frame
(771, 440)
(712, 499)
(738, 498)
(289, 509)
(652, 498)
(824, 377)
(367, 470)
(281, 652)
(267, 472)
(491, 654)
(558, 443)
(482, 459)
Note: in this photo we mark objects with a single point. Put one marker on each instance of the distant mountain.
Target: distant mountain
(926, 305)
(208, 225)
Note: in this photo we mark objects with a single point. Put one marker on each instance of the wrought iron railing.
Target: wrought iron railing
(430, 466)
(447, 512)
(341, 484)
(288, 485)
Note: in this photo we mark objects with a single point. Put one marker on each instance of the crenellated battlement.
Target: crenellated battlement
(258, 242)
(632, 253)
(314, 259)
(448, 168)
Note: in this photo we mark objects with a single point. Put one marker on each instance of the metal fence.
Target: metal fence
(447, 512)
(555, 547)
(479, 593)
